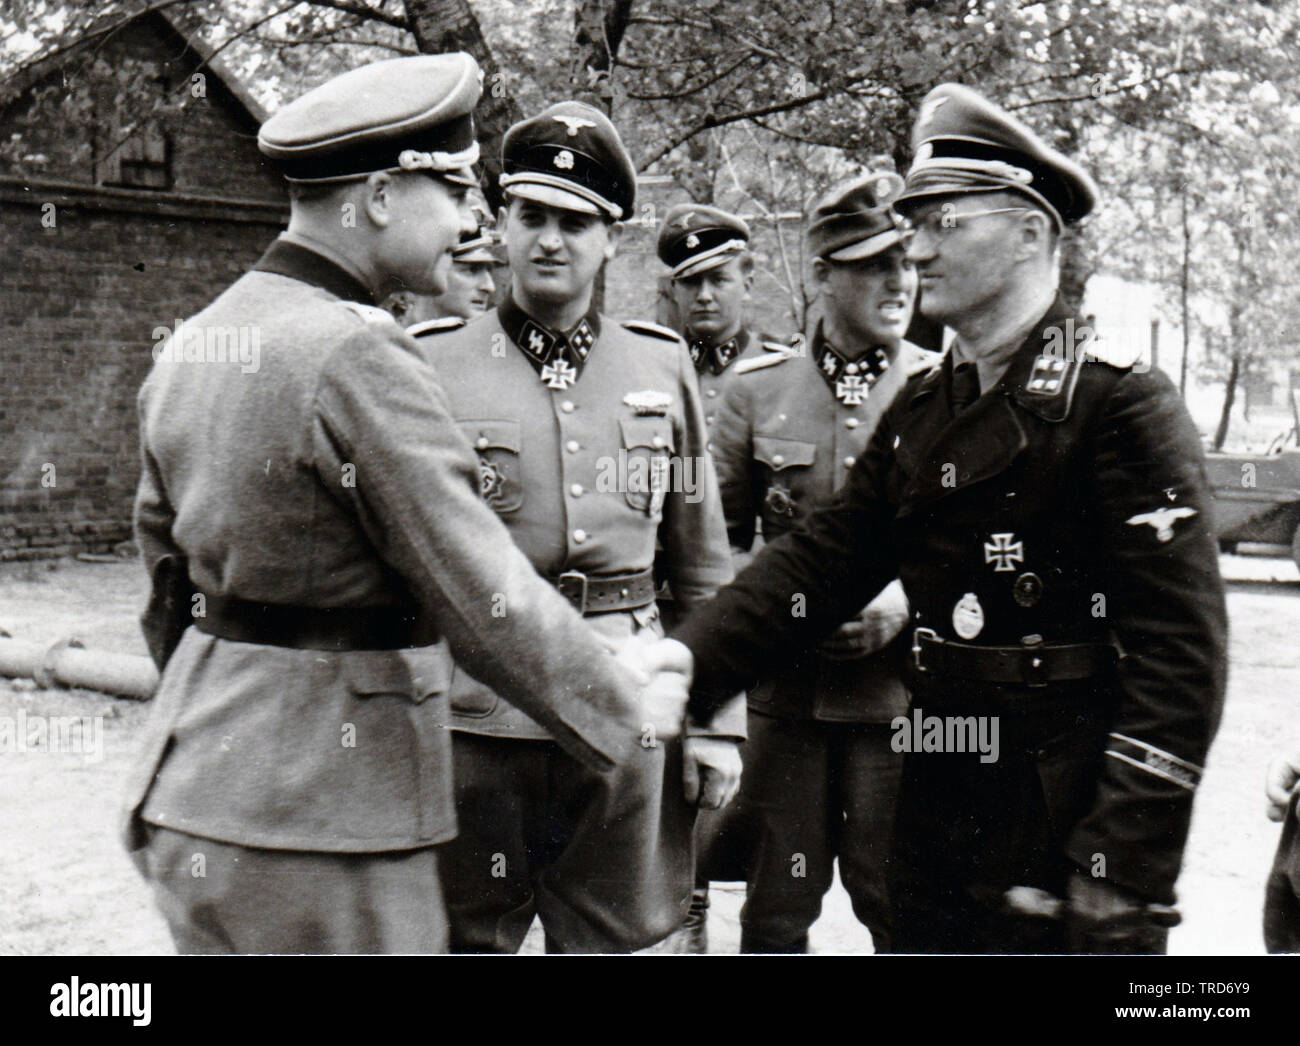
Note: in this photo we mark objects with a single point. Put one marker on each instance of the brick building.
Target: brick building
(142, 216)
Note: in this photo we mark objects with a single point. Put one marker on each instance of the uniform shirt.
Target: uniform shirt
(715, 367)
(785, 439)
(295, 481)
(1068, 502)
(588, 473)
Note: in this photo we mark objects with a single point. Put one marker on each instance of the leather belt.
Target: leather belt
(1033, 663)
(605, 593)
(308, 628)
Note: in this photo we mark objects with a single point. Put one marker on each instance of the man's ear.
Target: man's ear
(615, 233)
(377, 198)
(821, 273)
(1035, 234)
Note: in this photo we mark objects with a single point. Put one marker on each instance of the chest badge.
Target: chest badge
(968, 616)
(1162, 520)
(1028, 589)
(1004, 552)
(659, 475)
(779, 500)
(490, 480)
(649, 402)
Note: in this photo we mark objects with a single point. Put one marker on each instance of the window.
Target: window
(140, 161)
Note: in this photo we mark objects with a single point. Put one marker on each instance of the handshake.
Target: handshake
(662, 670)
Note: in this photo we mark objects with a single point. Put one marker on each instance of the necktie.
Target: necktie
(965, 387)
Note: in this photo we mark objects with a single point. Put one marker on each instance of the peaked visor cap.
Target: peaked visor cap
(475, 246)
(856, 219)
(410, 114)
(963, 143)
(695, 238)
(570, 156)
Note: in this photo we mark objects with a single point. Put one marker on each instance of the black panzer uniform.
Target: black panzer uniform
(1055, 542)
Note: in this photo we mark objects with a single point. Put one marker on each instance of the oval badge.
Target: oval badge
(968, 616)
(1028, 589)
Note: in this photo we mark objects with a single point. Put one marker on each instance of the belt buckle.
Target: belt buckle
(1033, 660)
(565, 585)
(929, 633)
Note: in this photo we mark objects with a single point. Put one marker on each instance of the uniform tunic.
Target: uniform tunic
(587, 469)
(715, 367)
(820, 777)
(299, 482)
(1067, 505)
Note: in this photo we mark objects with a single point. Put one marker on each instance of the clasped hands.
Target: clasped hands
(663, 669)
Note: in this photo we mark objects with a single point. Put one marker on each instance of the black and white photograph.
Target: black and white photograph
(656, 478)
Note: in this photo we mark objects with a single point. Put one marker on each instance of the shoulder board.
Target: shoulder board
(795, 346)
(438, 326)
(653, 329)
(776, 354)
(1116, 354)
(370, 313)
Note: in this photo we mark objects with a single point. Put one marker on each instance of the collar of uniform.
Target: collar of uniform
(716, 358)
(305, 260)
(547, 349)
(1045, 369)
(850, 380)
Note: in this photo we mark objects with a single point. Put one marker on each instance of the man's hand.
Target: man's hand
(873, 627)
(710, 771)
(663, 670)
(1283, 776)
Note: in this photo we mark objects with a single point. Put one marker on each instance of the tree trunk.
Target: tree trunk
(449, 25)
(1184, 285)
(598, 28)
(1229, 394)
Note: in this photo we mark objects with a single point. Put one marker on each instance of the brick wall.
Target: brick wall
(635, 282)
(79, 302)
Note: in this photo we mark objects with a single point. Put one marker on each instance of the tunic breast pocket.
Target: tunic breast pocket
(648, 444)
(497, 445)
(786, 465)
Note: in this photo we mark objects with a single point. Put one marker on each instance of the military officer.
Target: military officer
(821, 777)
(1047, 512)
(470, 287)
(295, 775)
(591, 445)
(707, 252)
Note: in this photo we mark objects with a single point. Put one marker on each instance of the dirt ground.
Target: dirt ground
(67, 887)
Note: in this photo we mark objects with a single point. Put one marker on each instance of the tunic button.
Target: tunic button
(708, 418)
(709, 447)
(711, 393)
(568, 407)
(579, 536)
(849, 461)
(657, 442)
(572, 446)
(851, 423)
(481, 442)
(576, 490)
(778, 459)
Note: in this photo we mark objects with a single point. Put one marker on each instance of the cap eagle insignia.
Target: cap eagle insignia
(574, 123)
